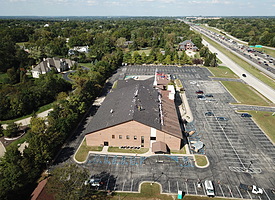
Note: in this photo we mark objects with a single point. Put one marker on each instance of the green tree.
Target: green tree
(66, 182)
(11, 130)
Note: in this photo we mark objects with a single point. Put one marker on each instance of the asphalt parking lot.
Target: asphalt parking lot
(237, 149)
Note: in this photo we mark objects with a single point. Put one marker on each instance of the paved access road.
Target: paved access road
(230, 146)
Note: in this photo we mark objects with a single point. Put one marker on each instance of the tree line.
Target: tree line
(255, 31)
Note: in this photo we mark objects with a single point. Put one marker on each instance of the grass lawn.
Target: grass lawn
(246, 94)
(201, 160)
(146, 51)
(222, 71)
(148, 192)
(83, 151)
(152, 192)
(19, 141)
(265, 120)
(252, 70)
(270, 52)
(40, 110)
(137, 151)
(181, 151)
(89, 65)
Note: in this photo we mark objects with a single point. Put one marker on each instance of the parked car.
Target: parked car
(209, 188)
(199, 92)
(253, 188)
(209, 114)
(200, 96)
(95, 182)
(222, 119)
(209, 95)
(246, 115)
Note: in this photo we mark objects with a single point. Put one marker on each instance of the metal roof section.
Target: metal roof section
(139, 101)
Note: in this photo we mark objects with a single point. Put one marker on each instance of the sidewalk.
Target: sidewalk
(27, 121)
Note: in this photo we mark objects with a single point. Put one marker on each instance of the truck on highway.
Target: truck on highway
(253, 188)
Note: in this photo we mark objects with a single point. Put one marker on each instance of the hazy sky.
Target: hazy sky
(137, 7)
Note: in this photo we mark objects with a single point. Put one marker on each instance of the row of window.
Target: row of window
(127, 137)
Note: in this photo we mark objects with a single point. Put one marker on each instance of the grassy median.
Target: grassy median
(222, 72)
(266, 122)
(245, 94)
(252, 70)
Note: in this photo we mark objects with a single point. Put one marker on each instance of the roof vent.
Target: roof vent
(111, 111)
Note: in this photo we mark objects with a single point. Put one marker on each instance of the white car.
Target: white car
(95, 182)
(256, 190)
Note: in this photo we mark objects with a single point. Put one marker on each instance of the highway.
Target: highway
(264, 89)
(261, 87)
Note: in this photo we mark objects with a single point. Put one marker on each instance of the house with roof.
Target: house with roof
(187, 45)
(138, 113)
(49, 64)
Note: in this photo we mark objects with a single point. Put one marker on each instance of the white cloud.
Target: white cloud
(210, 2)
(92, 2)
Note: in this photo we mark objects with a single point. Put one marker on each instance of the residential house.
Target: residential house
(49, 64)
(187, 45)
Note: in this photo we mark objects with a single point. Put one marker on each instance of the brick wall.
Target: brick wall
(118, 136)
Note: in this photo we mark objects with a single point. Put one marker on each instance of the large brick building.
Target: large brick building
(138, 113)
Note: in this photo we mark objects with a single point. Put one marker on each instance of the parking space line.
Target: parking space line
(195, 189)
(266, 194)
(107, 183)
(178, 185)
(169, 186)
(132, 185)
(239, 192)
(123, 185)
(260, 198)
(186, 187)
(203, 189)
(221, 190)
(249, 195)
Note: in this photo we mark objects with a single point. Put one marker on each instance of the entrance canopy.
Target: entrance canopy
(159, 147)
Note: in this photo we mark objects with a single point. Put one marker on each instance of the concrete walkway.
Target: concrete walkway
(27, 121)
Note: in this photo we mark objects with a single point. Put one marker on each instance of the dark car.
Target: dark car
(199, 92)
(200, 96)
(209, 95)
(246, 115)
(244, 75)
(209, 114)
(222, 119)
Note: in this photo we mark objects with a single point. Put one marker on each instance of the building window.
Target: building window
(113, 136)
(153, 138)
(135, 137)
(120, 136)
(142, 141)
(128, 137)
